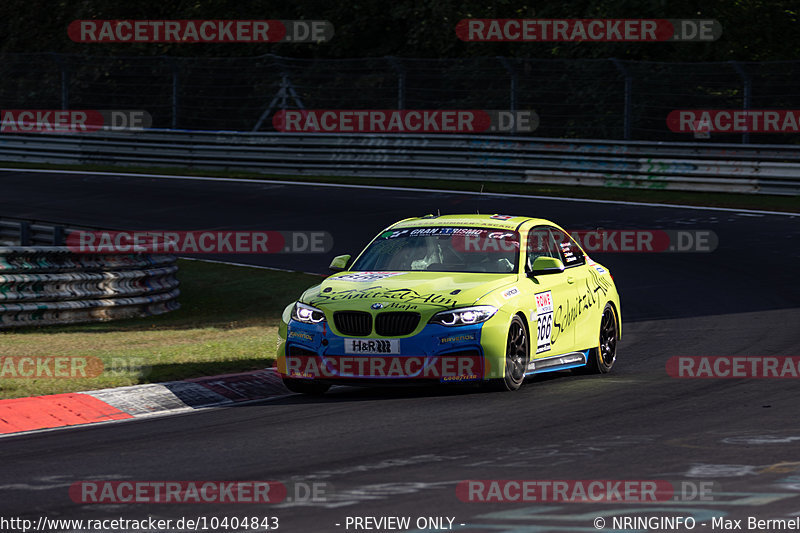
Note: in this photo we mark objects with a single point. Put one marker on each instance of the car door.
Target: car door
(582, 316)
(553, 294)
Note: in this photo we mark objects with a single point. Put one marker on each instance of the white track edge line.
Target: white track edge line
(390, 188)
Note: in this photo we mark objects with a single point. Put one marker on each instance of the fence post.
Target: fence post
(58, 235)
(401, 81)
(64, 68)
(24, 233)
(512, 99)
(174, 66)
(626, 119)
(748, 87)
(284, 93)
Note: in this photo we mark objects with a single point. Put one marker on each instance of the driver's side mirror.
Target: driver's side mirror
(546, 265)
(339, 263)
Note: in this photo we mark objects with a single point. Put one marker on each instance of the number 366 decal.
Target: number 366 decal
(544, 323)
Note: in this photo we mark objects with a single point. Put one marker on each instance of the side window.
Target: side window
(570, 252)
(541, 244)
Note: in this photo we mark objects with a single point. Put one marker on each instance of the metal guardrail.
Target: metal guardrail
(768, 169)
(27, 233)
(52, 285)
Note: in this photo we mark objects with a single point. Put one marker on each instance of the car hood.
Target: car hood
(404, 290)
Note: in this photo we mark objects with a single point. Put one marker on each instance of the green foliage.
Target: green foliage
(753, 30)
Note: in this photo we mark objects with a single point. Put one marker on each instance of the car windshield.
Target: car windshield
(443, 249)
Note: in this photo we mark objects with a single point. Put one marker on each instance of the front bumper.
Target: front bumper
(435, 354)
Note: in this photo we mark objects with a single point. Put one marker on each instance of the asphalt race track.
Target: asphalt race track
(402, 452)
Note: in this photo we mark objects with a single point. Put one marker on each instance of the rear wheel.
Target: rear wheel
(602, 358)
(517, 357)
(304, 386)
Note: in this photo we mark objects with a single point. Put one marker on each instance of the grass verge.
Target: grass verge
(228, 322)
(731, 200)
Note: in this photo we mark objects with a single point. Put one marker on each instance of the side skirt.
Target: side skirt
(558, 362)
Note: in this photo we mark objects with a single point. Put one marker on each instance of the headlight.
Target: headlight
(308, 314)
(465, 316)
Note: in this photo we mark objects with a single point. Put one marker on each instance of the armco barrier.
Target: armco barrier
(27, 233)
(768, 169)
(53, 285)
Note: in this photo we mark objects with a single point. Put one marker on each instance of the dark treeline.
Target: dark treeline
(754, 30)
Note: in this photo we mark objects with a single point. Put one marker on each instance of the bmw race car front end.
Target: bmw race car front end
(378, 340)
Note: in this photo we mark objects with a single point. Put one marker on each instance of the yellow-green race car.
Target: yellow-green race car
(453, 299)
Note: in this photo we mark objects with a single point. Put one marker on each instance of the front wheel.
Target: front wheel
(304, 386)
(517, 357)
(602, 358)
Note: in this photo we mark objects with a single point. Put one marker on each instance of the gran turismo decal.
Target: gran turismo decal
(382, 293)
(425, 232)
(391, 234)
(567, 314)
(422, 232)
(366, 276)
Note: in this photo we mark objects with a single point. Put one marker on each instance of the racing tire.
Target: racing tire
(604, 355)
(304, 386)
(517, 357)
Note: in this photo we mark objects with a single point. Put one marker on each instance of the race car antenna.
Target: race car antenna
(478, 207)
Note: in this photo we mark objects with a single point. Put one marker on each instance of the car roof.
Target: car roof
(510, 222)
